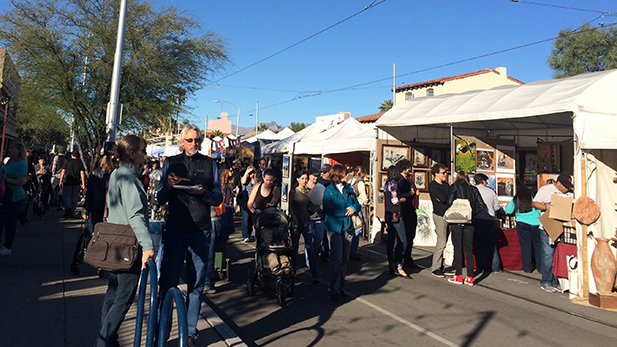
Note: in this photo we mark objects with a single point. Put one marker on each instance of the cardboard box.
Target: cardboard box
(561, 208)
(553, 227)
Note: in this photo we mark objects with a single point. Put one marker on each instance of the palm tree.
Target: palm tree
(385, 105)
(216, 133)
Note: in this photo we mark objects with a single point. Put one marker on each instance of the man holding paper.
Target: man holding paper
(542, 201)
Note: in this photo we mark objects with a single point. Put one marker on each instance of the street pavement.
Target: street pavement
(502, 309)
(44, 305)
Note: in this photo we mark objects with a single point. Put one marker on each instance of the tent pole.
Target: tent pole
(452, 153)
(584, 262)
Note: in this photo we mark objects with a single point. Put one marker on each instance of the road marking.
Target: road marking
(406, 322)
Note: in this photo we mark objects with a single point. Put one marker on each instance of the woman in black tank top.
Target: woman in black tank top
(264, 195)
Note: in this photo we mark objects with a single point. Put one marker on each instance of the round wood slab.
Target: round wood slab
(586, 211)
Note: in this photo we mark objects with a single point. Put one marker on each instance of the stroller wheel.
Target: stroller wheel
(250, 281)
(281, 292)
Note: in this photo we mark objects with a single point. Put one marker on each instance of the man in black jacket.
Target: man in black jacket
(191, 184)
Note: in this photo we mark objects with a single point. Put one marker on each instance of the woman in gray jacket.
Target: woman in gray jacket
(127, 204)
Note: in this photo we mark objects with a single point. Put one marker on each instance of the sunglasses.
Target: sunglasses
(191, 140)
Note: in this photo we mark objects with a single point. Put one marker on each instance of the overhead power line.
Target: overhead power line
(562, 7)
(372, 5)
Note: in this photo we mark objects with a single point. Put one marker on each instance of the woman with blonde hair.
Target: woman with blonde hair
(14, 173)
(339, 204)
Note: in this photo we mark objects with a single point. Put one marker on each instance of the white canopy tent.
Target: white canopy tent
(361, 141)
(266, 135)
(315, 144)
(582, 108)
(285, 145)
(283, 134)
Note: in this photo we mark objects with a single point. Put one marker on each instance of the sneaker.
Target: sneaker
(191, 341)
(246, 239)
(469, 281)
(451, 271)
(558, 288)
(547, 287)
(438, 273)
(209, 291)
(5, 251)
(456, 279)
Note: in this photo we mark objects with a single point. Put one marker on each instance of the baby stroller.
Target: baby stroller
(282, 282)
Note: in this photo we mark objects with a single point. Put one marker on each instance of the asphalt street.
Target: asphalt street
(505, 309)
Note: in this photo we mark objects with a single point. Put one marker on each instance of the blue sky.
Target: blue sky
(416, 35)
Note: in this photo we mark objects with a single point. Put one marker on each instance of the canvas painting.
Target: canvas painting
(285, 166)
(549, 158)
(505, 159)
(465, 155)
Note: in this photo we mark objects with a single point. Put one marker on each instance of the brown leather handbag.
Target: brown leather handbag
(113, 247)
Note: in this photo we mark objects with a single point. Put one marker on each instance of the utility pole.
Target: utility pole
(257, 118)
(114, 109)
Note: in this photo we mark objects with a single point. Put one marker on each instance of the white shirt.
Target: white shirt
(490, 200)
(546, 192)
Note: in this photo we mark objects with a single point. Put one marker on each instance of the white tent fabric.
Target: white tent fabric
(362, 141)
(513, 109)
(283, 134)
(266, 135)
(285, 146)
(151, 148)
(171, 150)
(315, 144)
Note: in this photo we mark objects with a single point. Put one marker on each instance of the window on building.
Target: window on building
(430, 92)
(408, 96)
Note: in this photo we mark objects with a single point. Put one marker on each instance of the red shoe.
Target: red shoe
(456, 279)
(469, 281)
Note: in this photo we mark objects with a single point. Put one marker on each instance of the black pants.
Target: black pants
(462, 238)
(411, 222)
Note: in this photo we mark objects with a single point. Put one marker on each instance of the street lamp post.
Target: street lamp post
(238, 121)
(5, 102)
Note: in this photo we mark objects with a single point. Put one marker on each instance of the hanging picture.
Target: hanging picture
(419, 158)
(286, 166)
(436, 157)
(284, 193)
(465, 155)
(384, 180)
(485, 160)
(549, 158)
(390, 155)
(505, 185)
(421, 180)
(504, 159)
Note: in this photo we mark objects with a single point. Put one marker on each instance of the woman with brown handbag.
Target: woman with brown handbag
(128, 208)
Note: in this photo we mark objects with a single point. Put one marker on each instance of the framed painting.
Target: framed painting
(505, 185)
(485, 160)
(390, 155)
(383, 180)
(286, 166)
(419, 158)
(421, 179)
(505, 159)
(549, 156)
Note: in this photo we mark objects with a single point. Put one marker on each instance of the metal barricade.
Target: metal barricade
(150, 269)
(183, 329)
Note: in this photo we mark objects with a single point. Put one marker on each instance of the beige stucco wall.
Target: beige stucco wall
(479, 82)
(223, 124)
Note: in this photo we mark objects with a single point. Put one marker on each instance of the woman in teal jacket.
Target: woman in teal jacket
(527, 226)
(339, 203)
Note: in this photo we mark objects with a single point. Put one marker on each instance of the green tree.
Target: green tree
(385, 105)
(296, 126)
(262, 127)
(216, 133)
(66, 49)
(587, 49)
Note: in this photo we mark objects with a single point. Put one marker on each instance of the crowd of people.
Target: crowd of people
(200, 194)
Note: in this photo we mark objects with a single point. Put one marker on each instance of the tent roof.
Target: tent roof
(266, 135)
(362, 141)
(284, 133)
(314, 144)
(506, 109)
(284, 146)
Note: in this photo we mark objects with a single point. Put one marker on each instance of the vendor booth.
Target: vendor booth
(571, 119)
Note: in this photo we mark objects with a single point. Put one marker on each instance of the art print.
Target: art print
(286, 166)
(390, 155)
(465, 155)
(505, 185)
(505, 159)
(419, 158)
(421, 180)
(485, 160)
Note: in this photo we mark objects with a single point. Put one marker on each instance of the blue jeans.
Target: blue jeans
(200, 276)
(528, 236)
(340, 244)
(355, 242)
(304, 227)
(396, 232)
(9, 221)
(247, 221)
(70, 196)
(547, 259)
(175, 246)
(121, 289)
(317, 238)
